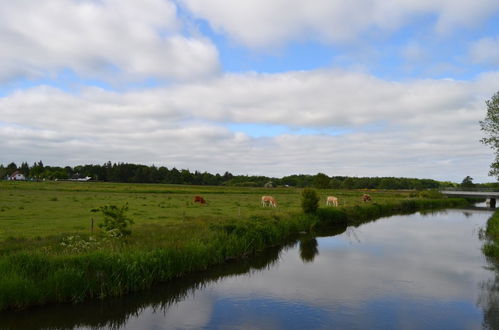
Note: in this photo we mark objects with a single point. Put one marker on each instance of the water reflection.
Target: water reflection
(489, 297)
(416, 271)
(308, 249)
(489, 301)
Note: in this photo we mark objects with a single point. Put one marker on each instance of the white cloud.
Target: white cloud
(260, 23)
(105, 39)
(414, 52)
(424, 128)
(486, 51)
(178, 316)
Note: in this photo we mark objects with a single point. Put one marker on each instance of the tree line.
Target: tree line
(136, 173)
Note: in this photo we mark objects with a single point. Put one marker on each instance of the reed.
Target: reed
(491, 246)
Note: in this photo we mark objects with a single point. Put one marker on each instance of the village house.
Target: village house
(17, 176)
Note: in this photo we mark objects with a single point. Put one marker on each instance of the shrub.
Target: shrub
(309, 200)
(115, 220)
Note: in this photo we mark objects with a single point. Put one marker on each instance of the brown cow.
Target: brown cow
(269, 200)
(331, 200)
(366, 198)
(200, 200)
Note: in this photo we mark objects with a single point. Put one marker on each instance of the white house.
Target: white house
(18, 176)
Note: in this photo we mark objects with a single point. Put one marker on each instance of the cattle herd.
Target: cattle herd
(271, 201)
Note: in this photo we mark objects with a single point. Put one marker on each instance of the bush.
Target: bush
(309, 200)
(115, 220)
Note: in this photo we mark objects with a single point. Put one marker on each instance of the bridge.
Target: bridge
(490, 195)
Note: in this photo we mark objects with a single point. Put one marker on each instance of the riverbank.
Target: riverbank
(491, 247)
(83, 268)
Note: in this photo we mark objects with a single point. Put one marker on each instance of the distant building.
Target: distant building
(77, 177)
(17, 176)
(269, 184)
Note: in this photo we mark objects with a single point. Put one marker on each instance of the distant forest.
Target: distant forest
(135, 173)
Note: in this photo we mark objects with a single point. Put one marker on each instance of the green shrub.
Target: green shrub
(309, 200)
(115, 220)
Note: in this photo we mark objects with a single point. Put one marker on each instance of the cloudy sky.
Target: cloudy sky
(357, 88)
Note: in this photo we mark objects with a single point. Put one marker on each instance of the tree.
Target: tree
(11, 168)
(467, 182)
(321, 181)
(116, 220)
(36, 170)
(24, 169)
(490, 125)
(3, 172)
(309, 200)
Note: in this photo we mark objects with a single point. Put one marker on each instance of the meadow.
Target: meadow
(34, 210)
(49, 251)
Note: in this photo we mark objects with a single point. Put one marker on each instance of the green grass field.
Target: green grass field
(40, 209)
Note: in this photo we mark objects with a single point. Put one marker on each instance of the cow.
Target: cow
(366, 198)
(269, 200)
(331, 200)
(200, 200)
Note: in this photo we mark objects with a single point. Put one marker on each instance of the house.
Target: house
(269, 184)
(17, 176)
(77, 177)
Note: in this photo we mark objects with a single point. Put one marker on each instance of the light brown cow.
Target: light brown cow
(366, 198)
(269, 200)
(331, 200)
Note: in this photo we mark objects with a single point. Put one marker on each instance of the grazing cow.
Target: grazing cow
(200, 200)
(269, 200)
(366, 198)
(331, 200)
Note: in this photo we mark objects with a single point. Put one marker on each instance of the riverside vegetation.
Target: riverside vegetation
(491, 247)
(56, 246)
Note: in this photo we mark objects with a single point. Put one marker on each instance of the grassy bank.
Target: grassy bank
(66, 264)
(491, 247)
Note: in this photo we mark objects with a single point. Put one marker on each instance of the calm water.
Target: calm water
(403, 272)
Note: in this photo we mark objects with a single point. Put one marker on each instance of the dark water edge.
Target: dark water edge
(115, 313)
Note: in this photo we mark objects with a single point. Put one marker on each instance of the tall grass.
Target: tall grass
(52, 275)
(491, 246)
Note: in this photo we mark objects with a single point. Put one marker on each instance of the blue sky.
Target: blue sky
(367, 88)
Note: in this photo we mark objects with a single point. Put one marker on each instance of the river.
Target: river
(418, 271)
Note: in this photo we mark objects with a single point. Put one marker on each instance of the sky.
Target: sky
(256, 87)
